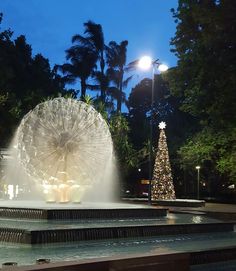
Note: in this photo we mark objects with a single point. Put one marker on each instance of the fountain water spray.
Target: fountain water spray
(65, 147)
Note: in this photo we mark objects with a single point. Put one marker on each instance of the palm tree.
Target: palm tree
(94, 41)
(82, 62)
(116, 60)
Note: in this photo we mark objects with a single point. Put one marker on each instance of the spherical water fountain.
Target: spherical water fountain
(65, 147)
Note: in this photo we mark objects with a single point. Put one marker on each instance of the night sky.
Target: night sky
(49, 25)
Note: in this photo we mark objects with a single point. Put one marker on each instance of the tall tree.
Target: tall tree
(205, 81)
(116, 60)
(94, 42)
(205, 44)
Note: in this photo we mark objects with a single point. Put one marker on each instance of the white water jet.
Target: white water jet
(63, 149)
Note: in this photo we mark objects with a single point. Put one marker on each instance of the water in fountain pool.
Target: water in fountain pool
(26, 254)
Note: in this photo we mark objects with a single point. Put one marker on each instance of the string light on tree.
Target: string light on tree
(162, 183)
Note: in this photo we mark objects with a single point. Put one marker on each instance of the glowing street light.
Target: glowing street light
(145, 63)
(198, 179)
(163, 68)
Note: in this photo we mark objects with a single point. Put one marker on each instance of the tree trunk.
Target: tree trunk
(119, 100)
(103, 89)
(118, 109)
(83, 89)
(103, 96)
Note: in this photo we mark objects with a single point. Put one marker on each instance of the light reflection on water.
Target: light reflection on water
(197, 219)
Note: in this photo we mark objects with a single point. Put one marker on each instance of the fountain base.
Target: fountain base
(63, 235)
(89, 210)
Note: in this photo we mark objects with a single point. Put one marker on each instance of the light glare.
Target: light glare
(145, 62)
(163, 68)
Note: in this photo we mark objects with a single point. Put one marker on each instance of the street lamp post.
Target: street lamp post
(198, 180)
(146, 63)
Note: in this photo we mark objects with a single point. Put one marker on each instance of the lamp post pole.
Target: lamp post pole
(198, 180)
(151, 133)
(145, 63)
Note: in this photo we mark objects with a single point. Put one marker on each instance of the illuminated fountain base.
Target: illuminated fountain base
(64, 193)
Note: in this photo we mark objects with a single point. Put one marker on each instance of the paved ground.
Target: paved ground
(210, 207)
(219, 266)
(216, 210)
(225, 212)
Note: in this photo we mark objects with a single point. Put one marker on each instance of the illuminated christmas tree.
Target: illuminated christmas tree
(162, 181)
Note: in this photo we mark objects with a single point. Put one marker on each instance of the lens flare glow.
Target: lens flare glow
(163, 68)
(145, 63)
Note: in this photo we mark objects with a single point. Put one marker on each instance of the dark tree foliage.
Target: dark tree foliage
(165, 107)
(139, 104)
(205, 44)
(205, 82)
(25, 80)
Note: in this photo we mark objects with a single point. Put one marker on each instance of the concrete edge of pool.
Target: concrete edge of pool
(167, 260)
(81, 213)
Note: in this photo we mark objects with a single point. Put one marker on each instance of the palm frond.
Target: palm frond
(94, 34)
(113, 91)
(88, 99)
(82, 40)
(64, 68)
(126, 81)
(132, 66)
(93, 87)
(69, 79)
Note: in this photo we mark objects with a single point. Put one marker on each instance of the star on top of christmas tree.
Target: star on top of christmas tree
(162, 125)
